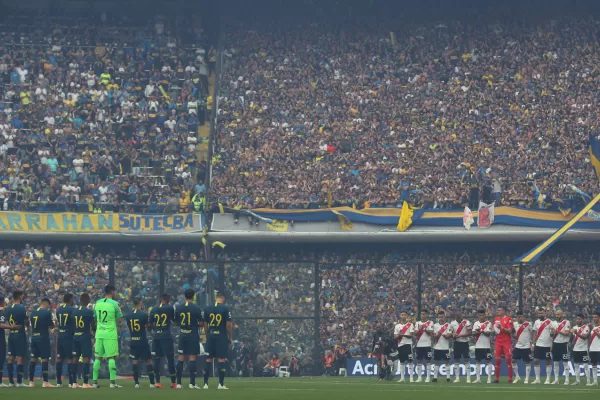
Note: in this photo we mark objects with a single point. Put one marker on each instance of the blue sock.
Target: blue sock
(157, 369)
(207, 371)
(11, 373)
(45, 371)
(222, 370)
(179, 372)
(136, 373)
(192, 369)
(31, 371)
(20, 373)
(86, 372)
(171, 362)
(150, 369)
(59, 371)
(72, 373)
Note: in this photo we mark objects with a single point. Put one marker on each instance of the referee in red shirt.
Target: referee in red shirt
(503, 327)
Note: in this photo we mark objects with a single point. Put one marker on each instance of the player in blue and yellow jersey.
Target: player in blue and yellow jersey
(162, 345)
(64, 340)
(17, 338)
(218, 327)
(189, 318)
(139, 350)
(85, 325)
(3, 325)
(41, 324)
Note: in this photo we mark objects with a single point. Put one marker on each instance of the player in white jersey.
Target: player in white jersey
(423, 334)
(581, 335)
(595, 348)
(561, 331)
(462, 333)
(523, 345)
(542, 340)
(403, 333)
(482, 329)
(442, 332)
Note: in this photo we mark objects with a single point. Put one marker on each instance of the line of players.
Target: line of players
(76, 327)
(542, 340)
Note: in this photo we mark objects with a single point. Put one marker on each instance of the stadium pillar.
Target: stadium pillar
(419, 287)
(161, 274)
(222, 277)
(317, 335)
(111, 272)
(521, 279)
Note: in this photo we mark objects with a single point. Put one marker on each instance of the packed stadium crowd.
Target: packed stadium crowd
(356, 291)
(356, 116)
(100, 117)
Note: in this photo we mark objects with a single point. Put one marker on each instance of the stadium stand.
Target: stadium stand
(100, 117)
(338, 111)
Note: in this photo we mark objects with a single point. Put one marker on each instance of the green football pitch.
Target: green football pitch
(308, 388)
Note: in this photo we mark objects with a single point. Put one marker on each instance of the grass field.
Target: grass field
(309, 388)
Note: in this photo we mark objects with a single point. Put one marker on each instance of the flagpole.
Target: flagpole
(536, 252)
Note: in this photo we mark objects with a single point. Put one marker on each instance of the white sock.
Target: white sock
(448, 371)
(586, 370)
(468, 370)
(556, 369)
(419, 370)
(488, 371)
(527, 371)
(456, 369)
(595, 374)
(436, 371)
(411, 368)
(478, 370)
(536, 368)
(515, 369)
(549, 371)
(401, 366)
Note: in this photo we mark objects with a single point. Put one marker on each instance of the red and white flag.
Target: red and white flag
(485, 218)
(468, 218)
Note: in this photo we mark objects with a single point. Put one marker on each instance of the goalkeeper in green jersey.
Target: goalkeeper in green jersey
(108, 316)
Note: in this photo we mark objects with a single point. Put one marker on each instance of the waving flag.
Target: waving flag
(595, 154)
(485, 218)
(468, 218)
(405, 220)
(534, 254)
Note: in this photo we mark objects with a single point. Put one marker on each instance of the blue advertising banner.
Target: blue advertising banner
(368, 367)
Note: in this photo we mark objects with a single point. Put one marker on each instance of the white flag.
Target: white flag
(485, 217)
(468, 218)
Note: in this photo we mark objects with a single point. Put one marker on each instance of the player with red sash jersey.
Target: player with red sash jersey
(595, 348)
(581, 333)
(462, 333)
(423, 334)
(561, 330)
(482, 330)
(442, 332)
(523, 345)
(403, 333)
(503, 327)
(542, 345)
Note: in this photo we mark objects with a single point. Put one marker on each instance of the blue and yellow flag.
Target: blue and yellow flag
(595, 154)
(345, 223)
(534, 254)
(537, 195)
(580, 192)
(405, 220)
